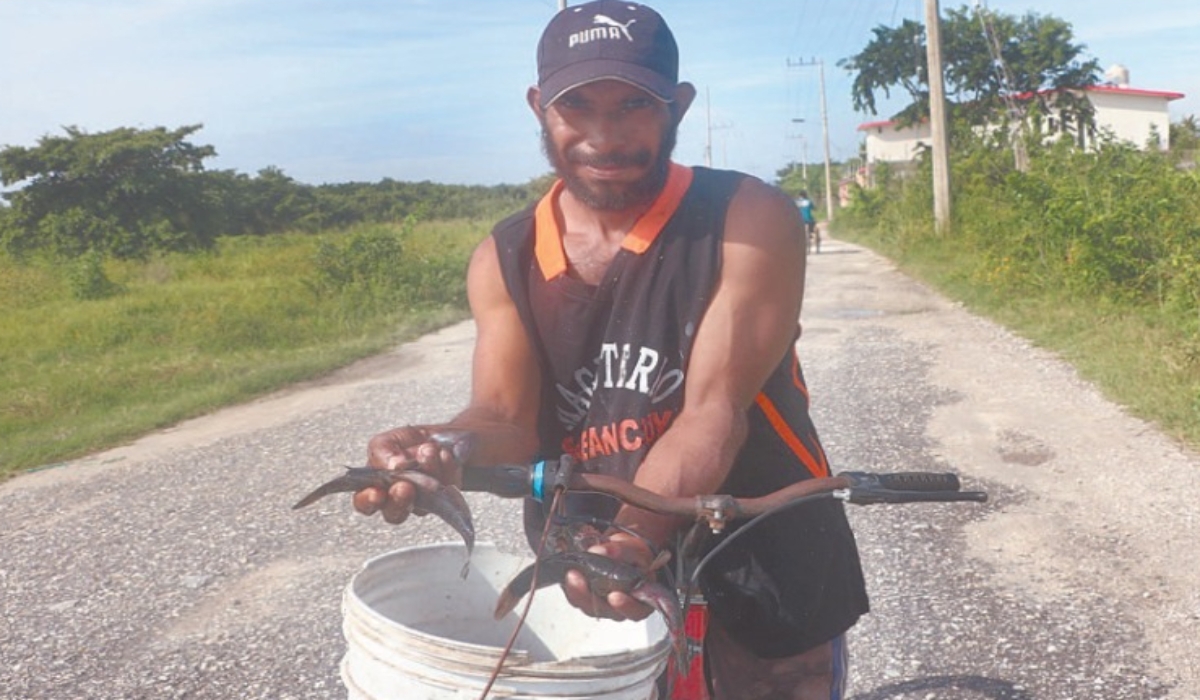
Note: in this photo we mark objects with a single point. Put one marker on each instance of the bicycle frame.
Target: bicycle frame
(692, 685)
(548, 480)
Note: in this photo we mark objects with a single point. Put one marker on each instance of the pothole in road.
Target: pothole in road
(1016, 447)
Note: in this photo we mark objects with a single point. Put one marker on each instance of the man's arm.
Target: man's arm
(746, 331)
(505, 378)
(502, 413)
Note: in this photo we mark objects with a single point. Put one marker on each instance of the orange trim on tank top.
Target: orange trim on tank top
(548, 237)
(816, 468)
(796, 374)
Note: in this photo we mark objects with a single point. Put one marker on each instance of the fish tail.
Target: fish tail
(513, 592)
(355, 479)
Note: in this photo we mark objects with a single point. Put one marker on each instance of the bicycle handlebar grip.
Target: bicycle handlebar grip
(919, 481)
(505, 480)
(870, 496)
(903, 481)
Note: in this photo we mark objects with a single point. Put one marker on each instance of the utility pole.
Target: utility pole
(825, 134)
(804, 154)
(825, 129)
(708, 124)
(709, 127)
(937, 118)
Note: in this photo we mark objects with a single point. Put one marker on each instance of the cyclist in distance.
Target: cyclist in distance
(642, 317)
(812, 238)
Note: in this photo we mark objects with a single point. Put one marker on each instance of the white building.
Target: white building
(889, 142)
(1133, 115)
(1128, 114)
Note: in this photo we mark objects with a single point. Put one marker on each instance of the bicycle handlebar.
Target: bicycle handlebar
(542, 478)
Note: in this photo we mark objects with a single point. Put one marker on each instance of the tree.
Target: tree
(790, 178)
(125, 192)
(997, 67)
(1185, 135)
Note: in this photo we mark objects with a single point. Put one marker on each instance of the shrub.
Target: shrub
(87, 280)
(371, 270)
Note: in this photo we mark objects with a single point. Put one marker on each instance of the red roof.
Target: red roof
(1135, 91)
(1114, 89)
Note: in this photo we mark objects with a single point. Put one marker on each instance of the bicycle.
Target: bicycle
(814, 237)
(549, 479)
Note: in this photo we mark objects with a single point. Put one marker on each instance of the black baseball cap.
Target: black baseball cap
(607, 39)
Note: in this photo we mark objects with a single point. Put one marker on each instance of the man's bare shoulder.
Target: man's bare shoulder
(761, 213)
(752, 187)
(485, 252)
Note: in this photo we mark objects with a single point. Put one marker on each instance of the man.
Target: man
(655, 305)
(810, 222)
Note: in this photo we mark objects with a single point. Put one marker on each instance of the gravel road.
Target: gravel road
(174, 567)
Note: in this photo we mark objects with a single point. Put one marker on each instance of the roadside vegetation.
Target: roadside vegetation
(138, 289)
(1092, 254)
(96, 351)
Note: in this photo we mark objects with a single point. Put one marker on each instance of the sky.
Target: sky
(335, 91)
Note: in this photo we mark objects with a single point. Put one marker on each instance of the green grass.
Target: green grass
(1144, 357)
(187, 334)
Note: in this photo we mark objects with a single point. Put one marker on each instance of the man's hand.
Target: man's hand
(616, 605)
(409, 447)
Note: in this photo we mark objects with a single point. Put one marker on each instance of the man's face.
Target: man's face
(611, 143)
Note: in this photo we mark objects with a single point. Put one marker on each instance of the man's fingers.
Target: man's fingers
(576, 590)
(578, 594)
(451, 473)
(368, 500)
(398, 462)
(399, 502)
(628, 607)
(395, 504)
(429, 454)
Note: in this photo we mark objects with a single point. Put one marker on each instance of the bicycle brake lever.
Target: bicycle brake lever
(560, 476)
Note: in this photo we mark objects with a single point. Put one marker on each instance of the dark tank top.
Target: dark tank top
(614, 360)
(614, 356)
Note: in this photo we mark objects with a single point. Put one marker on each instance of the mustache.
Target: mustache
(577, 156)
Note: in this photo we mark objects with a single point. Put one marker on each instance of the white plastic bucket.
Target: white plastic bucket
(415, 630)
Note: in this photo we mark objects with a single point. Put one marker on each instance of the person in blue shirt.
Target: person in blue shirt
(810, 221)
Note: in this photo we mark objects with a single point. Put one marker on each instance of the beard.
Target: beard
(614, 196)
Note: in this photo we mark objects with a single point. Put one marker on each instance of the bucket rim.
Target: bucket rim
(519, 659)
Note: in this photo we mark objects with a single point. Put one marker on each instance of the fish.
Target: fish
(446, 502)
(604, 575)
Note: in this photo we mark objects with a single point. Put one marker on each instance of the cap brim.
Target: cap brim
(585, 72)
